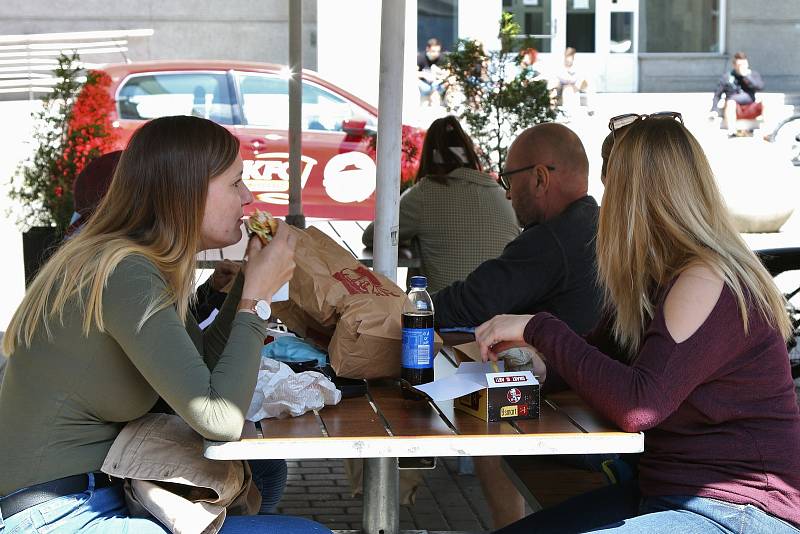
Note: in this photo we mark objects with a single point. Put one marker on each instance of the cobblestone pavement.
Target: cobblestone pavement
(446, 501)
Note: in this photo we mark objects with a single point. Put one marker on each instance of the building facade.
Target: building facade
(624, 45)
(248, 30)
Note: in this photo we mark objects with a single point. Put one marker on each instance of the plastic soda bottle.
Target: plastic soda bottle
(417, 351)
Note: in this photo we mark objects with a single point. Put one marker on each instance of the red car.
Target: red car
(252, 101)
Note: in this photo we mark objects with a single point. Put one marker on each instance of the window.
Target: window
(265, 102)
(679, 26)
(534, 16)
(201, 94)
(439, 19)
(621, 33)
(580, 25)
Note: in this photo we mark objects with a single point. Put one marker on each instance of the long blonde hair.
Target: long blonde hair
(661, 212)
(154, 208)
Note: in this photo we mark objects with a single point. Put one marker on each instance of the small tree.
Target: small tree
(72, 128)
(500, 98)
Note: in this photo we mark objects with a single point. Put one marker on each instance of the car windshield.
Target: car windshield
(265, 103)
(201, 94)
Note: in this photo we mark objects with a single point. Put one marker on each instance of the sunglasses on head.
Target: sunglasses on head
(621, 121)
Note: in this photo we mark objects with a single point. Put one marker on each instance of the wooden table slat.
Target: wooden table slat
(249, 431)
(407, 417)
(570, 404)
(352, 417)
(306, 426)
(550, 422)
(469, 425)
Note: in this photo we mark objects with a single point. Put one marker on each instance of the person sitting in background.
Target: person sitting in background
(572, 85)
(739, 85)
(532, 69)
(691, 351)
(455, 216)
(104, 331)
(431, 73)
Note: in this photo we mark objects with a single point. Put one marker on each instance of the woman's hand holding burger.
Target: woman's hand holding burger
(269, 266)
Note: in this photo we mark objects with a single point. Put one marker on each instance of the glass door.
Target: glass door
(618, 45)
(541, 22)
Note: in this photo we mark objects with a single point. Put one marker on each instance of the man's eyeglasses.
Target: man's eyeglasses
(621, 121)
(506, 183)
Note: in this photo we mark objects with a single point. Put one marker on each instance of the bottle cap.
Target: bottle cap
(419, 281)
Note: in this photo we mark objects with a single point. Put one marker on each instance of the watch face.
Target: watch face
(263, 310)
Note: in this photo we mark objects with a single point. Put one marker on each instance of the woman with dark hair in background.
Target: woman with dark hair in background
(105, 330)
(455, 216)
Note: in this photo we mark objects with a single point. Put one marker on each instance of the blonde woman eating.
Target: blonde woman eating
(691, 352)
(105, 330)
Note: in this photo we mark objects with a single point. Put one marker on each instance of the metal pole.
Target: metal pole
(381, 496)
(390, 116)
(295, 217)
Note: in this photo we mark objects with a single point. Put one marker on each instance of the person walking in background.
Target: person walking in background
(691, 350)
(454, 216)
(739, 85)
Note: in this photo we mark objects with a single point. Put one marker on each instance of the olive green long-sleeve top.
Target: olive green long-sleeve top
(63, 401)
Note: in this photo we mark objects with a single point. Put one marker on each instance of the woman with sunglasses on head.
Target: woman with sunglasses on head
(691, 352)
(105, 330)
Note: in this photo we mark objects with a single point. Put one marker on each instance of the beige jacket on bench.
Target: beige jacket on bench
(168, 477)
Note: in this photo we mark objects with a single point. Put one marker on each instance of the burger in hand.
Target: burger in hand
(262, 224)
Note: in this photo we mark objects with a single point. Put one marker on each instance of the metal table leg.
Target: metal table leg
(381, 496)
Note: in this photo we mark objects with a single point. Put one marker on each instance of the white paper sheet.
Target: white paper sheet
(282, 294)
(470, 377)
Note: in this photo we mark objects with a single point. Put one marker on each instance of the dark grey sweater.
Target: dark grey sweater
(549, 267)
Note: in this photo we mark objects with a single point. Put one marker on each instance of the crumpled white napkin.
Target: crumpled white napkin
(280, 392)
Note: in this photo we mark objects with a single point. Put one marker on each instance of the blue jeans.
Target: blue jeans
(426, 88)
(104, 511)
(269, 476)
(619, 508)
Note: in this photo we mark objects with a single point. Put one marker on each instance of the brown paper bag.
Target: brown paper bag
(366, 342)
(330, 289)
(325, 274)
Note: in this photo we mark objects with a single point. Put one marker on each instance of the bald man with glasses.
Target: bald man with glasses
(550, 265)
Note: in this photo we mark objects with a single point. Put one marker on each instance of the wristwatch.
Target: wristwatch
(260, 307)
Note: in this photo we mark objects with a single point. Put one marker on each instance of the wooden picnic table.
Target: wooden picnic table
(381, 427)
(346, 233)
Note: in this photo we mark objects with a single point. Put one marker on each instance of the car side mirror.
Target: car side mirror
(357, 128)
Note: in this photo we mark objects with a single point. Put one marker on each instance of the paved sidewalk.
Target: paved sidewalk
(446, 501)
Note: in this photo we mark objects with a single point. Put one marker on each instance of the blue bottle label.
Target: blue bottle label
(417, 348)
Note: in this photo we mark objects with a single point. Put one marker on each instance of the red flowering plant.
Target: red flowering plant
(410, 153)
(72, 128)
